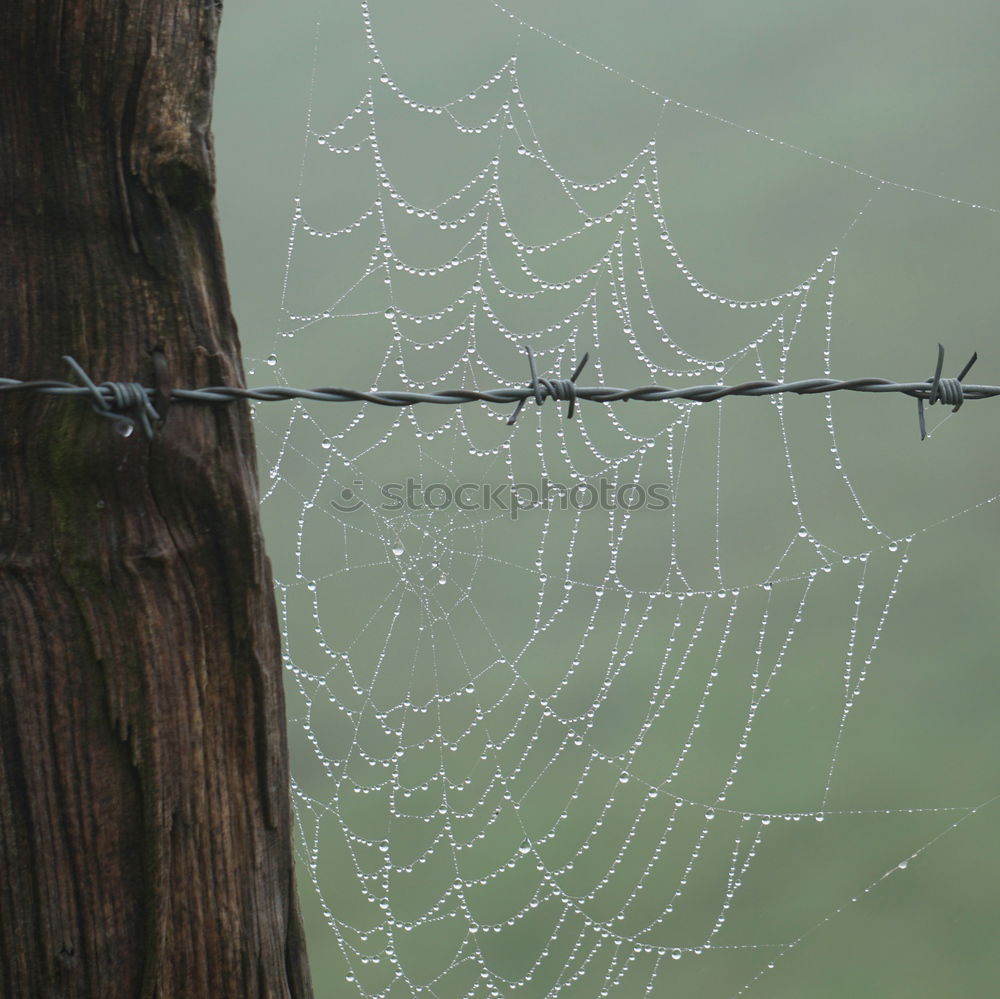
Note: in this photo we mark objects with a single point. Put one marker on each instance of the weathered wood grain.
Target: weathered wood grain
(145, 834)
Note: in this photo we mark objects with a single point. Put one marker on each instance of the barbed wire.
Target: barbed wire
(129, 404)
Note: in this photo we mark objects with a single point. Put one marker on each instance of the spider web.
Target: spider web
(589, 707)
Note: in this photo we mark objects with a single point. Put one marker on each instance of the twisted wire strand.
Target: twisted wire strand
(131, 403)
(448, 397)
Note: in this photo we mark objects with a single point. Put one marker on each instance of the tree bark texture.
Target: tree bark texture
(145, 829)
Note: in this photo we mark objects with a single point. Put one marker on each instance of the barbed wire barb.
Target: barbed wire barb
(949, 391)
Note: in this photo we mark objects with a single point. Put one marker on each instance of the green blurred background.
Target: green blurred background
(897, 90)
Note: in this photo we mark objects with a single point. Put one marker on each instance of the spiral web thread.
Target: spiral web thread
(543, 749)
